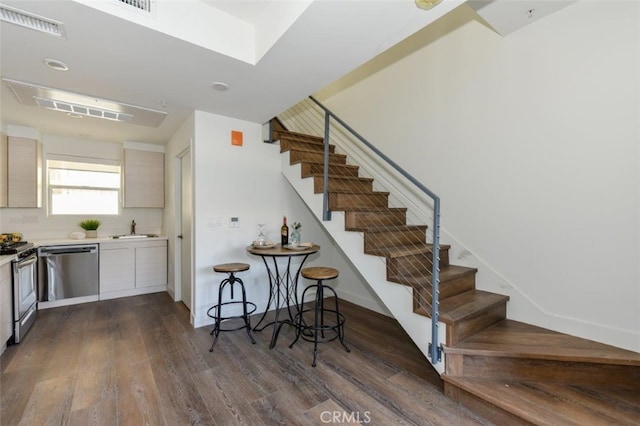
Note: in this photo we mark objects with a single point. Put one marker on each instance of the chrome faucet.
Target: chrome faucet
(133, 227)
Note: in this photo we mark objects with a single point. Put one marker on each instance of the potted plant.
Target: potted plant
(90, 227)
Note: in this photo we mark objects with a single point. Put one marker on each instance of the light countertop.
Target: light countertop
(99, 240)
(6, 259)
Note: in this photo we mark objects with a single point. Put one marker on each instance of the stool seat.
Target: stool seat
(319, 273)
(231, 267)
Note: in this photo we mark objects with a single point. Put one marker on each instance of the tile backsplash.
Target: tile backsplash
(35, 224)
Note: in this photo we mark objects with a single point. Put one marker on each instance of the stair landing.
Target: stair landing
(516, 339)
(517, 373)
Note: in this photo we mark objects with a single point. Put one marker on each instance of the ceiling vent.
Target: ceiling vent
(88, 106)
(84, 110)
(140, 5)
(31, 21)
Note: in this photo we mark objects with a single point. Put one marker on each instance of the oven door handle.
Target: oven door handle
(22, 264)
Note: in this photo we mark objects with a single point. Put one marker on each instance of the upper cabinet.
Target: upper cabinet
(20, 172)
(143, 178)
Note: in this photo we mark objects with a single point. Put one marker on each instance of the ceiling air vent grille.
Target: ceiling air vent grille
(57, 105)
(88, 106)
(143, 5)
(31, 21)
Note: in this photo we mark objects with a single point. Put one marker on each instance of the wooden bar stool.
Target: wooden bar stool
(247, 307)
(319, 331)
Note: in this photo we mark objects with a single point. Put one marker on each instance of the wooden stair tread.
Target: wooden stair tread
(468, 305)
(340, 166)
(555, 404)
(396, 228)
(351, 192)
(302, 136)
(448, 272)
(314, 151)
(384, 209)
(354, 209)
(297, 138)
(288, 144)
(354, 178)
(510, 338)
(405, 250)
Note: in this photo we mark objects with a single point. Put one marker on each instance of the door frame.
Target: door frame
(178, 227)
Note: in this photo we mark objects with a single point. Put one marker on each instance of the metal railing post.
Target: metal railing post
(434, 348)
(326, 213)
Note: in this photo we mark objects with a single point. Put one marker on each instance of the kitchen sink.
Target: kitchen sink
(133, 237)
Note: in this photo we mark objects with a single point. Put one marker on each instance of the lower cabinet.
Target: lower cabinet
(6, 305)
(131, 268)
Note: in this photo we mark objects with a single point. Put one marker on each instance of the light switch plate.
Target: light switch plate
(214, 221)
(234, 222)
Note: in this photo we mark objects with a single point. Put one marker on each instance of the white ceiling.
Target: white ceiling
(247, 10)
(115, 59)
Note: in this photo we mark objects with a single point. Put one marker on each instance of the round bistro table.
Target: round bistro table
(283, 282)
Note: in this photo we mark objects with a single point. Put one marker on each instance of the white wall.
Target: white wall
(245, 182)
(35, 224)
(532, 142)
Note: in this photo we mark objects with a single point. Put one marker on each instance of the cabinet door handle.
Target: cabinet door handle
(180, 236)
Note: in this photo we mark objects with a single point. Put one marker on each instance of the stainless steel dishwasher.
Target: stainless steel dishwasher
(67, 271)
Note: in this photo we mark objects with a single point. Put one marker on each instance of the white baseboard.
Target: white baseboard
(132, 292)
(370, 304)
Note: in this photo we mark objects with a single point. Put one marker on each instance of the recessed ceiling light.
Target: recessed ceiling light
(427, 4)
(56, 64)
(220, 86)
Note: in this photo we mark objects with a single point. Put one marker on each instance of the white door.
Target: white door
(185, 227)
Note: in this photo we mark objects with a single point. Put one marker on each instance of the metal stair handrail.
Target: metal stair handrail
(435, 351)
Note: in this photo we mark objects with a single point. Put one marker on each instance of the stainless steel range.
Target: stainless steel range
(25, 281)
(9, 247)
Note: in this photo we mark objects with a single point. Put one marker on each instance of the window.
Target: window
(83, 187)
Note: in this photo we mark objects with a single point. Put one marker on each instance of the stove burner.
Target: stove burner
(9, 247)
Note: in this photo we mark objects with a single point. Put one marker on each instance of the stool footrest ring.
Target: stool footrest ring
(335, 329)
(250, 305)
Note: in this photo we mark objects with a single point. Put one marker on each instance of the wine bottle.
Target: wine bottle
(284, 232)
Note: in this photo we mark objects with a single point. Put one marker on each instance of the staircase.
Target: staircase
(509, 372)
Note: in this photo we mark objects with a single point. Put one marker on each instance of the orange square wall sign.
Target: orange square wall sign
(236, 138)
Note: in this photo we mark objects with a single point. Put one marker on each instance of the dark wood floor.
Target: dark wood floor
(137, 361)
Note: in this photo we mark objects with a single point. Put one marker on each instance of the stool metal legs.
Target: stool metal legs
(232, 280)
(319, 327)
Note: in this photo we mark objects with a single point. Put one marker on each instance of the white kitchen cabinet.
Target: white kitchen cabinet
(21, 170)
(117, 267)
(6, 305)
(143, 178)
(151, 264)
(133, 267)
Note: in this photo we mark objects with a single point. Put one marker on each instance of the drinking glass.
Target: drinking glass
(294, 240)
(262, 239)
